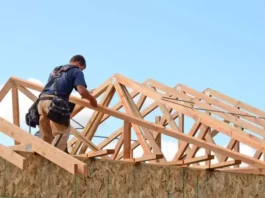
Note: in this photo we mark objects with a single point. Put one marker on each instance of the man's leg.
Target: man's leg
(61, 134)
(44, 122)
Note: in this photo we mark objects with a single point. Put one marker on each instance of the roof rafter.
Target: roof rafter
(210, 113)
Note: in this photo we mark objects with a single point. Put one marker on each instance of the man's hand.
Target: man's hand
(93, 102)
(87, 95)
(91, 91)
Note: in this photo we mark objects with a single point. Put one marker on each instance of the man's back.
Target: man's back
(65, 83)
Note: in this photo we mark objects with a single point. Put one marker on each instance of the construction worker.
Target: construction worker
(70, 77)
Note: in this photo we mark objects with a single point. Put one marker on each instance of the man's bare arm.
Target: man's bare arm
(86, 94)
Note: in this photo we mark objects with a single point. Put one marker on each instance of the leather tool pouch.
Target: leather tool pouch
(32, 117)
(59, 111)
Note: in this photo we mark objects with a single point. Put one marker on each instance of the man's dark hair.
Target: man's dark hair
(79, 58)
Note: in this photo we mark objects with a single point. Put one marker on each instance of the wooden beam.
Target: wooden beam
(93, 154)
(118, 146)
(225, 164)
(190, 161)
(181, 126)
(148, 158)
(15, 107)
(127, 151)
(81, 138)
(27, 93)
(22, 148)
(43, 148)
(12, 157)
(230, 146)
(157, 136)
(5, 89)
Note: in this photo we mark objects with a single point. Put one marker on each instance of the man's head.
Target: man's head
(78, 61)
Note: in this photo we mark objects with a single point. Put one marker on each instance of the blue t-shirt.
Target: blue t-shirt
(65, 83)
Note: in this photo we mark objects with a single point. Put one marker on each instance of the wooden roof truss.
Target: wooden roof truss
(209, 114)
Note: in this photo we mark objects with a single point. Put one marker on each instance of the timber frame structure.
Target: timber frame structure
(210, 113)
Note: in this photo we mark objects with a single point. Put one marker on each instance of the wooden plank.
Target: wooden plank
(27, 93)
(22, 148)
(208, 138)
(81, 138)
(93, 154)
(148, 158)
(15, 107)
(43, 148)
(230, 146)
(190, 161)
(118, 146)
(127, 151)
(219, 166)
(12, 157)
(157, 136)
(214, 132)
(100, 153)
(27, 84)
(5, 89)
(181, 126)
(224, 164)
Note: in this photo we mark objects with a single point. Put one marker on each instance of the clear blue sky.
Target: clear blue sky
(216, 44)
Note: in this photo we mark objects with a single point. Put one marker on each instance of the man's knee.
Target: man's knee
(60, 141)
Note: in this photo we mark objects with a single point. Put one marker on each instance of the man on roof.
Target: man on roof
(53, 106)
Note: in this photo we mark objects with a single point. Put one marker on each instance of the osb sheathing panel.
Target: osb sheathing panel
(117, 179)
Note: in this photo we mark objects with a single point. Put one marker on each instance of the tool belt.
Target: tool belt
(32, 117)
(59, 111)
